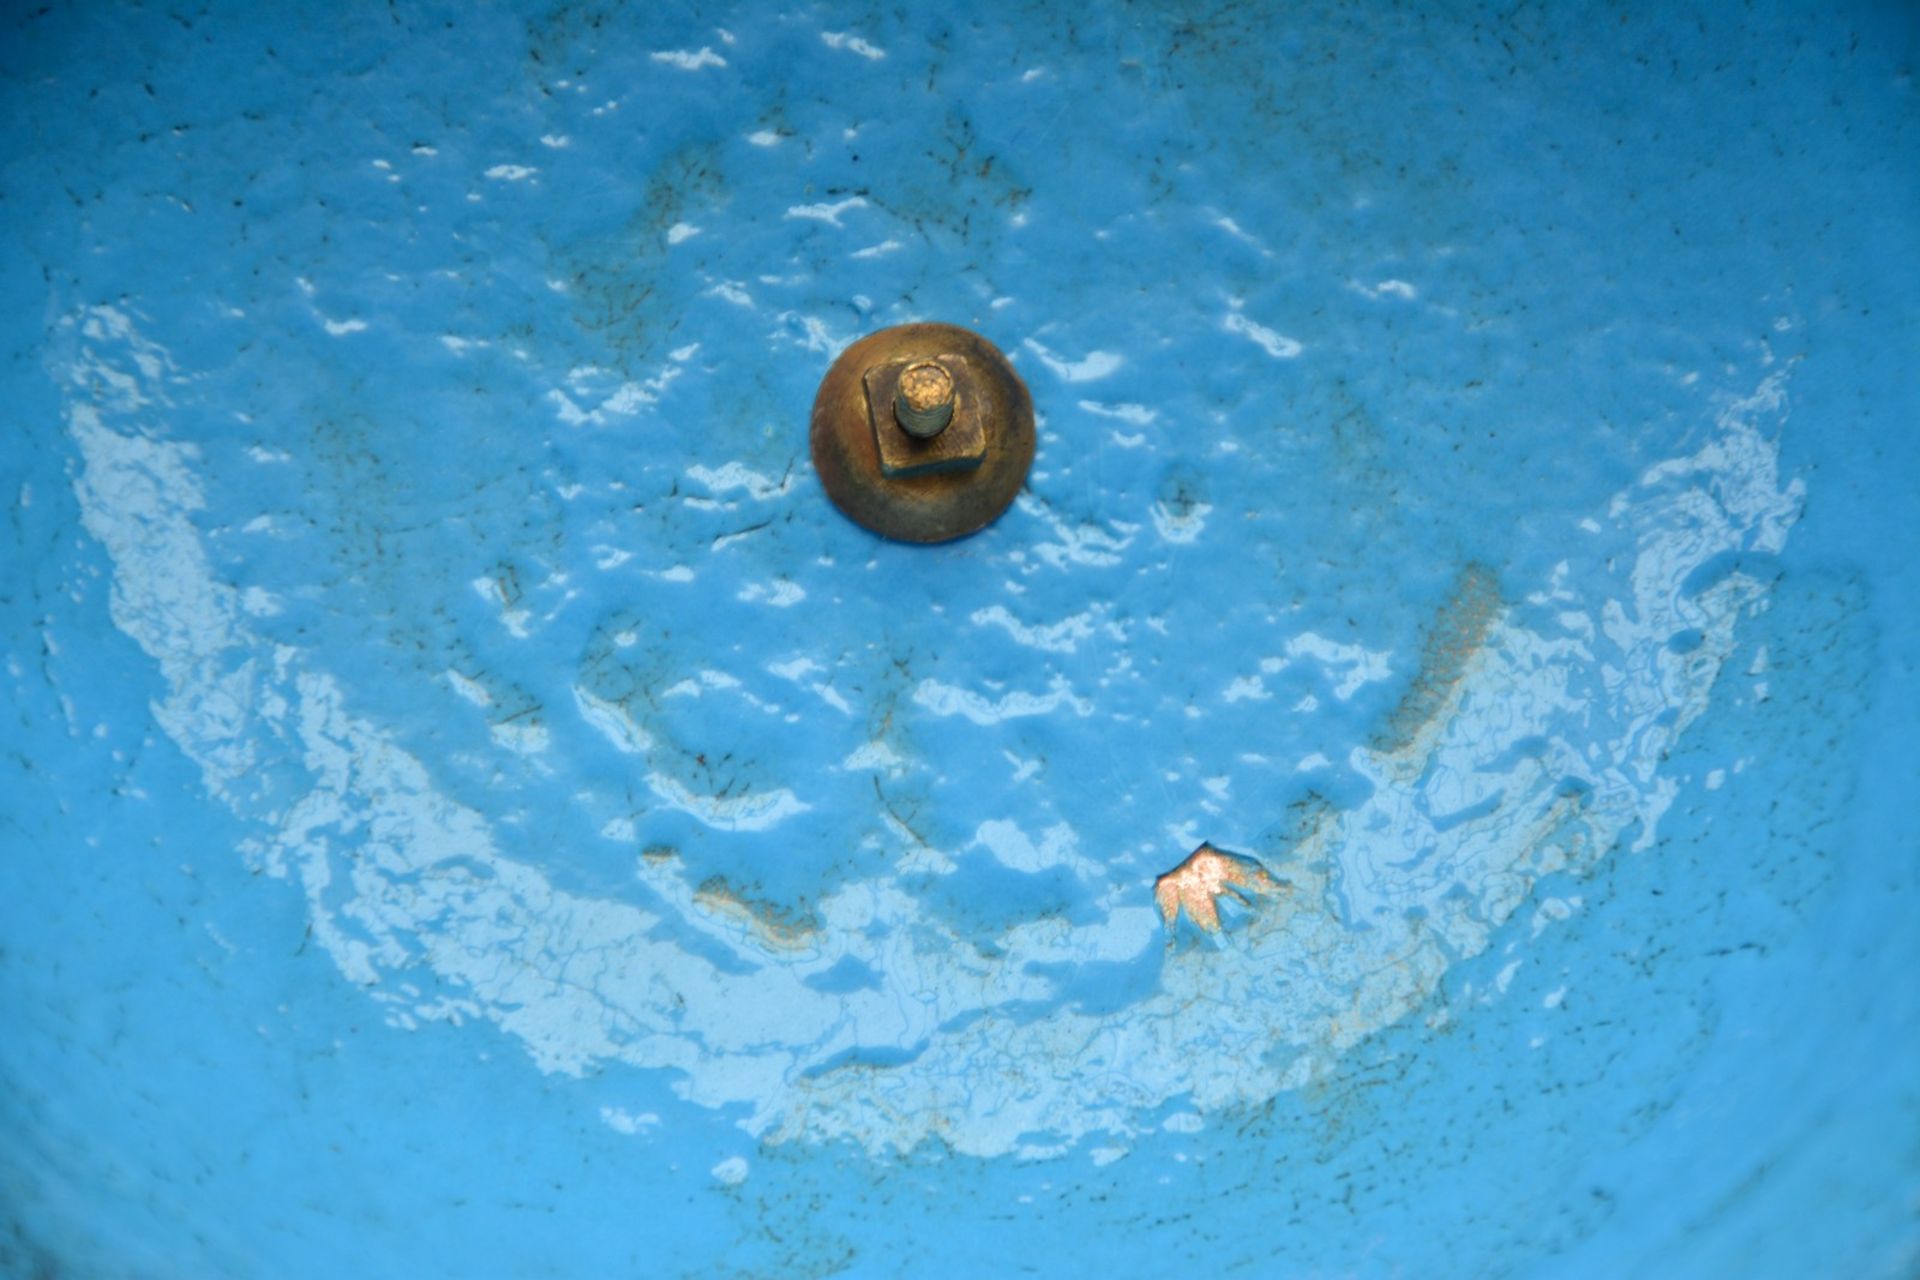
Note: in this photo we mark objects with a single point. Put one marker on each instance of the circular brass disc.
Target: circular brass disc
(922, 508)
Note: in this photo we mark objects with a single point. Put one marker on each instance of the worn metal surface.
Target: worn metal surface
(922, 397)
(1418, 782)
(919, 486)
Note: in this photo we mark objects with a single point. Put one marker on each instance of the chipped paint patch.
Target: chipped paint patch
(772, 925)
(1195, 887)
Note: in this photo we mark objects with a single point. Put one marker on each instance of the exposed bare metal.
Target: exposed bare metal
(1195, 886)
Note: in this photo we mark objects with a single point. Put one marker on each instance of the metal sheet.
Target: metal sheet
(471, 806)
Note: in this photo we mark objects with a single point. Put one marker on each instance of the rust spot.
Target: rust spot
(1195, 886)
(773, 925)
(1457, 635)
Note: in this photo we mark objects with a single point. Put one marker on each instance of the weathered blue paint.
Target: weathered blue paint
(472, 807)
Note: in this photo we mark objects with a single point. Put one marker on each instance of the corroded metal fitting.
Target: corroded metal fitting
(923, 399)
(923, 432)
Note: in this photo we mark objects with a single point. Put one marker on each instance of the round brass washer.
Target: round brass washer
(922, 508)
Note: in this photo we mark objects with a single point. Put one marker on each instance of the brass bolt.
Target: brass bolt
(897, 484)
(923, 402)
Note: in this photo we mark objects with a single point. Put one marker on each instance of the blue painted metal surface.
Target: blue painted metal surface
(471, 807)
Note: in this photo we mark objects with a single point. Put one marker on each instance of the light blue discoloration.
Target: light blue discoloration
(452, 717)
(422, 898)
